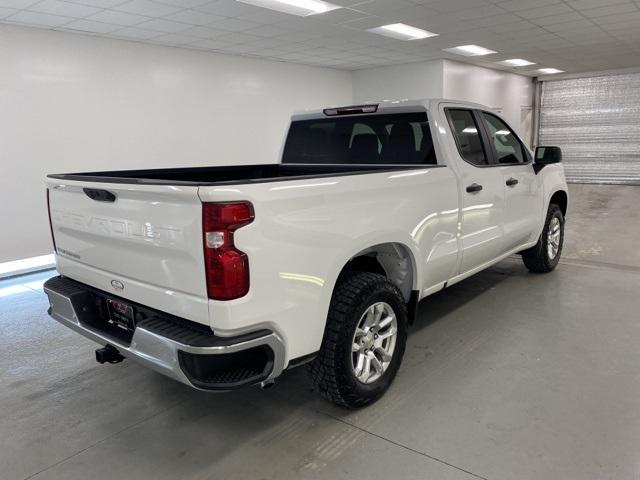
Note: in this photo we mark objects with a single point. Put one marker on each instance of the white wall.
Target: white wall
(78, 103)
(412, 80)
(507, 92)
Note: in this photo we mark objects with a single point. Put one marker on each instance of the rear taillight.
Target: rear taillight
(226, 267)
(53, 238)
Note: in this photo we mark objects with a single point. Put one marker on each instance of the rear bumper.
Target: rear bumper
(199, 359)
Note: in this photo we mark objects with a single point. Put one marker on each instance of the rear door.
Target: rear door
(140, 242)
(520, 183)
(482, 192)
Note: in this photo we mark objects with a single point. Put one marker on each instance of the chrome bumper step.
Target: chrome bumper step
(171, 346)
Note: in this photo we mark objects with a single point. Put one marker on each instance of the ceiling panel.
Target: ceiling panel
(91, 26)
(572, 35)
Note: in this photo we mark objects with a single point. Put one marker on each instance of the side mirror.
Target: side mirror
(548, 155)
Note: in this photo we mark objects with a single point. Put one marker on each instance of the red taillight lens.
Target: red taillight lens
(226, 267)
(53, 238)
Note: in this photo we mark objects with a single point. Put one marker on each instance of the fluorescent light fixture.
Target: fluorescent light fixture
(517, 62)
(294, 7)
(400, 31)
(470, 50)
(549, 71)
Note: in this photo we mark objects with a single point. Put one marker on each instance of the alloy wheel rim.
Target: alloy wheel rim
(553, 238)
(374, 342)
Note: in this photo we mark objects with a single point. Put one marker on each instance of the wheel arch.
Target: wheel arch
(561, 199)
(395, 261)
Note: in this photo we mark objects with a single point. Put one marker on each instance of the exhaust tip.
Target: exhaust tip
(267, 384)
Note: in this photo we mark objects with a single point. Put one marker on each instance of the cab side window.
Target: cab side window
(507, 147)
(467, 136)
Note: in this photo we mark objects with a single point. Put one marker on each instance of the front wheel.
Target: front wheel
(545, 255)
(364, 341)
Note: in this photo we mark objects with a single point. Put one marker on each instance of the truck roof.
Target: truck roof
(383, 106)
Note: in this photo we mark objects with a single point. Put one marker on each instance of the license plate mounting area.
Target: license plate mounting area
(121, 314)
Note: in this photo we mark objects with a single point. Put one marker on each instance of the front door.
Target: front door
(520, 183)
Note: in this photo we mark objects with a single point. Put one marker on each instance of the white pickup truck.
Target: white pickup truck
(226, 276)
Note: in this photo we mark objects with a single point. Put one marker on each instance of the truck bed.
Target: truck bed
(226, 175)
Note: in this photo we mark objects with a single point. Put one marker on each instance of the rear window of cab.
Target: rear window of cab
(394, 139)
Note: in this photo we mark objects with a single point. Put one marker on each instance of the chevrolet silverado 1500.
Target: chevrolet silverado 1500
(225, 276)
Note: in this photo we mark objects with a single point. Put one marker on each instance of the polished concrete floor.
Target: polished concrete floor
(507, 375)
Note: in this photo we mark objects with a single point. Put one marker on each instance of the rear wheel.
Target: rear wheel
(545, 255)
(364, 341)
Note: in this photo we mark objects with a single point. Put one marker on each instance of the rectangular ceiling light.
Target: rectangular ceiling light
(302, 8)
(470, 50)
(549, 71)
(401, 31)
(516, 62)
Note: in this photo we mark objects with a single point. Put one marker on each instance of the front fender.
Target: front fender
(553, 181)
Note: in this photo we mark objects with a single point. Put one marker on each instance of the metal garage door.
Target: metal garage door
(596, 121)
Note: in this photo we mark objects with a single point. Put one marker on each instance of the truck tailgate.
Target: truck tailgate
(140, 242)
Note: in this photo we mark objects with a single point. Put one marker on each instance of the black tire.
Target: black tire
(331, 371)
(537, 258)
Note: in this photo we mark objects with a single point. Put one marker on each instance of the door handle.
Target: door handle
(474, 187)
(99, 195)
(512, 182)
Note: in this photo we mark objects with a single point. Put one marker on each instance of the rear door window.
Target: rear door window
(395, 139)
(467, 136)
